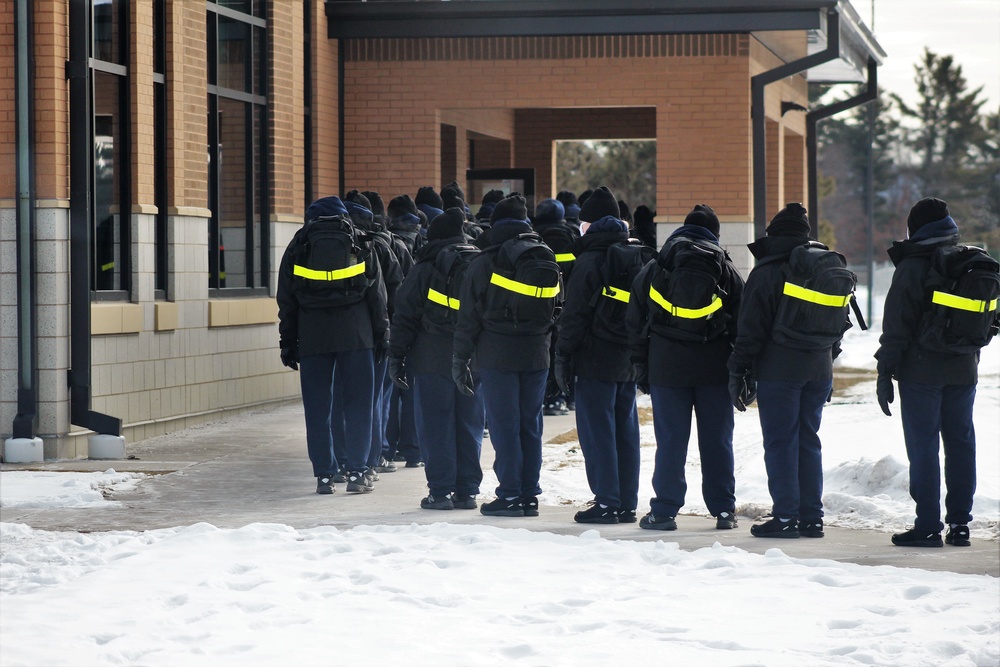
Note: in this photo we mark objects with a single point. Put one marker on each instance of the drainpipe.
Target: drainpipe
(81, 147)
(813, 117)
(27, 356)
(758, 82)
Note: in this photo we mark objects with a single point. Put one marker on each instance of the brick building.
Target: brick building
(158, 155)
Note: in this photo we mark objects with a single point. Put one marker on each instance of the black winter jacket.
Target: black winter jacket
(592, 357)
(754, 349)
(678, 363)
(905, 304)
(494, 350)
(325, 330)
(424, 351)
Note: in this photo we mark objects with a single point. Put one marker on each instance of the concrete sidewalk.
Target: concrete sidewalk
(254, 468)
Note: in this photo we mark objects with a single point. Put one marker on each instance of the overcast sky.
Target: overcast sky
(968, 30)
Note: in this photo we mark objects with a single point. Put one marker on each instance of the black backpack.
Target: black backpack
(560, 237)
(522, 297)
(441, 310)
(412, 239)
(332, 265)
(685, 294)
(962, 286)
(813, 312)
(622, 263)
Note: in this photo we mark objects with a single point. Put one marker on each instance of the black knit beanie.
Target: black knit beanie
(378, 206)
(493, 197)
(513, 207)
(927, 210)
(644, 215)
(703, 216)
(567, 198)
(355, 197)
(447, 225)
(549, 210)
(428, 195)
(600, 204)
(454, 188)
(789, 221)
(402, 205)
(452, 199)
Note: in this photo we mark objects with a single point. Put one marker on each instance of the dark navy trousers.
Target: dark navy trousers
(353, 418)
(933, 414)
(514, 413)
(450, 433)
(607, 424)
(380, 413)
(713, 412)
(401, 431)
(790, 415)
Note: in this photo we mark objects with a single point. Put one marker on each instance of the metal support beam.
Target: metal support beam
(758, 83)
(27, 354)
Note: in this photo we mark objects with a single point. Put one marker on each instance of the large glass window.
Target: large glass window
(237, 141)
(110, 205)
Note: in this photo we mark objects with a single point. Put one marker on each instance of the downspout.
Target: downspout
(758, 83)
(816, 115)
(813, 117)
(27, 326)
(80, 190)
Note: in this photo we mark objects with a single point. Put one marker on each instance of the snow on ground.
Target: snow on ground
(268, 594)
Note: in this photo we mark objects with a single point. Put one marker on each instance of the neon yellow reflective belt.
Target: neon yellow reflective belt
(442, 299)
(617, 294)
(524, 288)
(565, 257)
(961, 303)
(108, 266)
(812, 296)
(686, 313)
(336, 274)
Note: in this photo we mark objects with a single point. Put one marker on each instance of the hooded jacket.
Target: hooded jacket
(754, 349)
(328, 330)
(592, 357)
(494, 350)
(905, 304)
(424, 351)
(679, 363)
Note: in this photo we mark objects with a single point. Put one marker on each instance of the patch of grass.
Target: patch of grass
(563, 438)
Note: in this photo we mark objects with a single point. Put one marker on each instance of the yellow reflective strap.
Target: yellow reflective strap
(524, 288)
(618, 294)
(686, 313)
(108, 266)
(819, 298)
(565, 257)
(442, 299)
(962, 303)
(336, 274)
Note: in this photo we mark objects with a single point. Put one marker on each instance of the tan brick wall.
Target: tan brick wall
(8, 155)
(795, 167)
(187, 105)
(51, 99)
(285, 83)
(141, 94)
(326, 141)
(700, 104)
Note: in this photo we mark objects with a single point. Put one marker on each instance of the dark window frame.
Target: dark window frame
(161, 240)
(123, 166)
(256, 277)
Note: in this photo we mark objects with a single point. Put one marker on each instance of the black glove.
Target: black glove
(884, 391)
(462, 376)
(742, 390)
(641, 371)
(290, 357)
(564, 374)
(380, 351)
(397, 372)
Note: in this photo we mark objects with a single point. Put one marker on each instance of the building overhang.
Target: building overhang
(769, 21)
